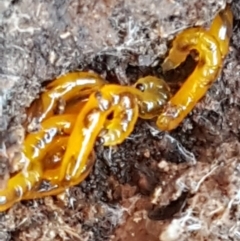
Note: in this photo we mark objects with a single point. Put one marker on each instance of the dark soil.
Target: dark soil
(155, 186)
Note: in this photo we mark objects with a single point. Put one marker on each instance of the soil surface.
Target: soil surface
(156, 186)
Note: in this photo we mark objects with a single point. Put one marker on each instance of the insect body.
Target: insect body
(212, 47)
(80, 107)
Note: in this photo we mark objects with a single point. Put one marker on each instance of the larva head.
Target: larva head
(221, 29)
(155, 94)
